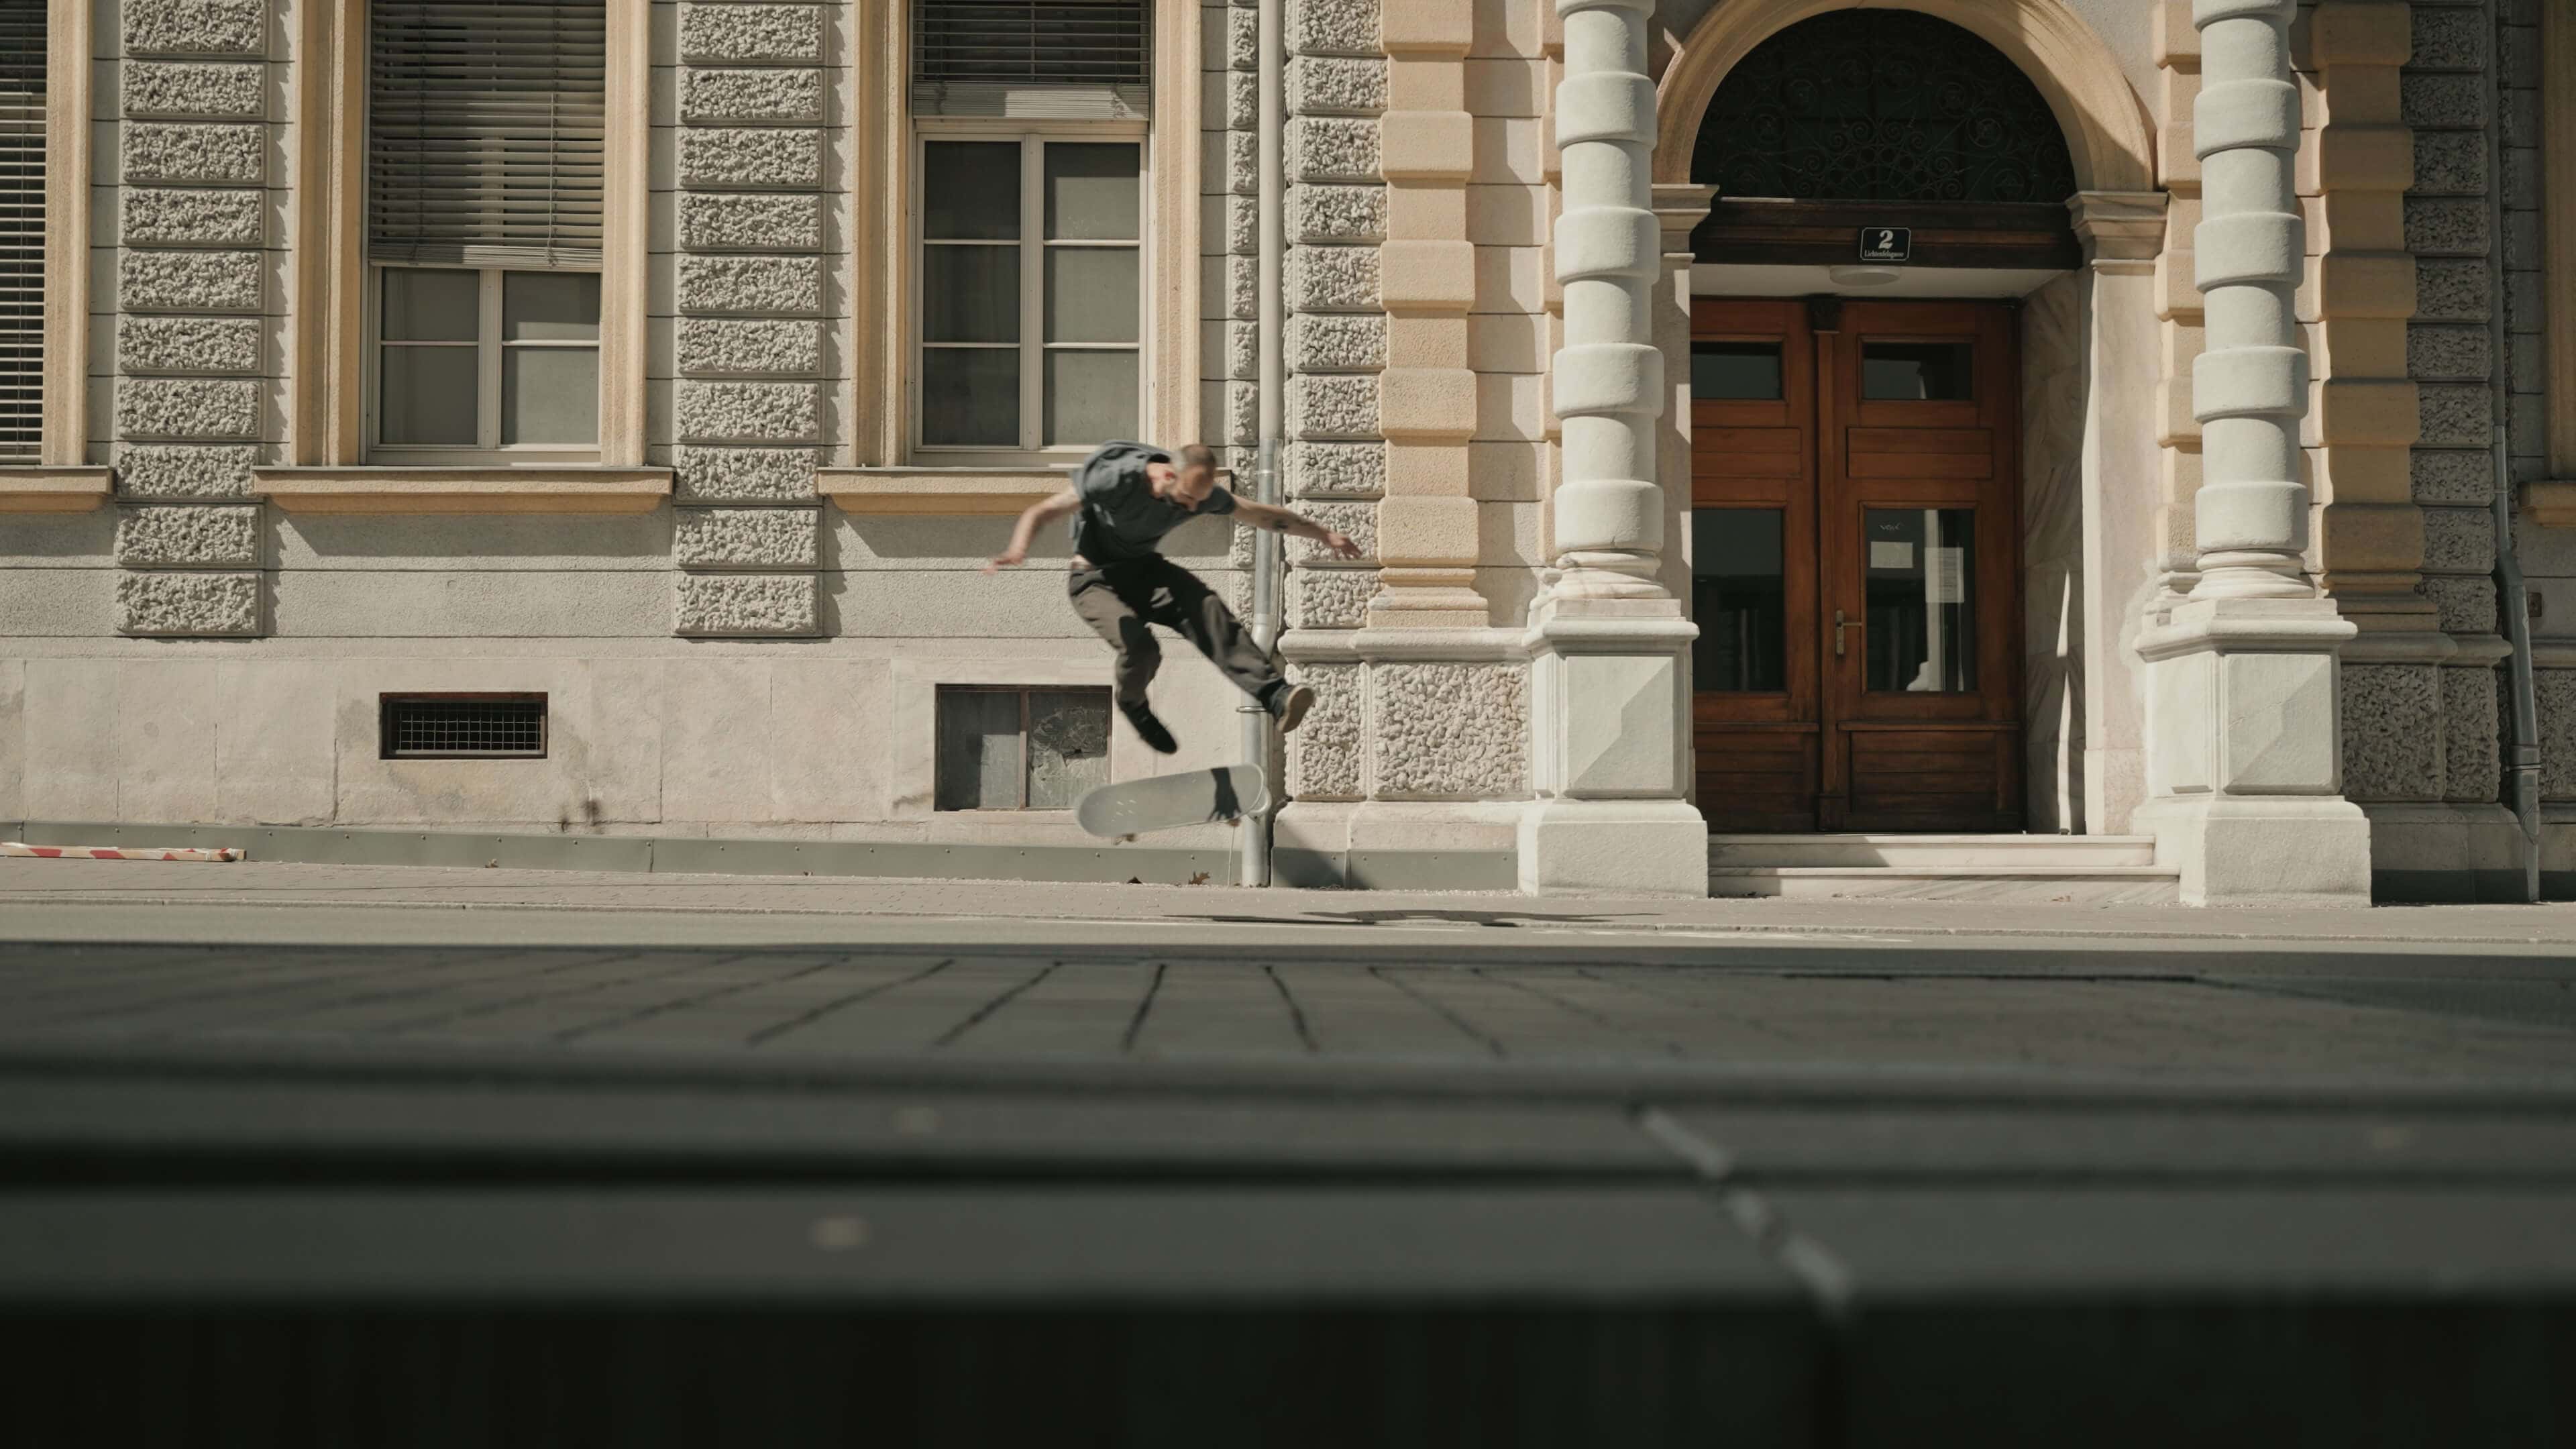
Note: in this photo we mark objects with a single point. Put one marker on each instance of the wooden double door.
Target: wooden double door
(1855, 552)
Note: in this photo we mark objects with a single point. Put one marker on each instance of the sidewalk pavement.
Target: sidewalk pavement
(479, 1157)
(874, 902)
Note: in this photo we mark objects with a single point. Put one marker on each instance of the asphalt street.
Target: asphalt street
(1279, 1171)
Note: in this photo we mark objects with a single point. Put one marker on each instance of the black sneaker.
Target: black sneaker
(1148, 728)
(1290, 705)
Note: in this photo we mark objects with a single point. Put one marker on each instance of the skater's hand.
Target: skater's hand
(1340, 544)
(1011, 557)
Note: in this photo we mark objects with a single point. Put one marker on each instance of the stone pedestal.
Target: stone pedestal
(1610, 752)
(2243, 758)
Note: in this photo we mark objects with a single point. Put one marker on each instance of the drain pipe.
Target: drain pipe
(2522, 734)
(1258, 737)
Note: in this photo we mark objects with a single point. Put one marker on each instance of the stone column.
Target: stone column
(2123, 552)
(1609, 737)
(2243, 709)
(1680, 207)
(2177, 300)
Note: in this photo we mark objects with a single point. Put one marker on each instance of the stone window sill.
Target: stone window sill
(939, 492)
(564, 490)
(54, 490)
(946, 492)
(2552, 504)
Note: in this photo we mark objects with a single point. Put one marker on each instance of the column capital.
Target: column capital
(2120, 226)
(1681, 206)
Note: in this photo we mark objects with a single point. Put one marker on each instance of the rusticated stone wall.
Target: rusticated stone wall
(1336, 345)
(195, 335)
(2449, 99)
(755, 132)
(1230, 247)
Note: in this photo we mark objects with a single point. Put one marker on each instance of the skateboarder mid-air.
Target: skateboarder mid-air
(1125, 497)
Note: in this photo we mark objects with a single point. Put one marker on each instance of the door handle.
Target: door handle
(1840, 624)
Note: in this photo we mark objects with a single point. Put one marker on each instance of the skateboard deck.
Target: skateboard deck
(1168, 802)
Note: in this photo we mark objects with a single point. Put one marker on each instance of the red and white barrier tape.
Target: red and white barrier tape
(138, 852)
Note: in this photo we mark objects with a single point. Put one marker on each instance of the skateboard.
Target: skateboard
(1167, 802)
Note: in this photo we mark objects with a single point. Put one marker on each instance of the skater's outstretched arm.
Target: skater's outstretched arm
(1038, 515)
(1280, 520)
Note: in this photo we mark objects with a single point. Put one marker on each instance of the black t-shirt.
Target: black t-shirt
(1120, 518)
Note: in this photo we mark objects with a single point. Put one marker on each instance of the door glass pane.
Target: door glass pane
(970, 191)
(550, 395)
(1738, 599)
(1918, 371)
(1068, 745)
(970, 397)
(1922, 626)
(429, 304)
(1091, 192)
(1090, 397)
(970, 294)
(1091, 294)
(1736, 371)
(978, 753)
(428, 396)
(550, 306)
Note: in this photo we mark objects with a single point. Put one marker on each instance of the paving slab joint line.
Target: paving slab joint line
(1815, 1267)
(1740, 928)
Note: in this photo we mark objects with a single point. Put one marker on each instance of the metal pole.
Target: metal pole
(2522, 733)
(1258, 737)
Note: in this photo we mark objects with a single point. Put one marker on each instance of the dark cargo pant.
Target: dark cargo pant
(1119, 600)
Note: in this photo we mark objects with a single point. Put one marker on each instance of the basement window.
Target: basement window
(1008, 747)
(462, 727)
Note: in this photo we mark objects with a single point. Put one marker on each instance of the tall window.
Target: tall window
(22, 228)
(1029, 279)
(486, 131)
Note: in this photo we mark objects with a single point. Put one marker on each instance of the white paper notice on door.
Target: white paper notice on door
(1884, 555)
(1948, 584)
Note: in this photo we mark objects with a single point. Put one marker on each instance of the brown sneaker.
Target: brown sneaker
(1292, 706)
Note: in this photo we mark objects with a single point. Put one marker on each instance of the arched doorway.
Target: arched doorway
(1868, 345)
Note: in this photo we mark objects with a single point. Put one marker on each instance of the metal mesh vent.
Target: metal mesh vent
(22, 227)
(481, 726)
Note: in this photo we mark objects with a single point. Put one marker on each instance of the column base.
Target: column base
(2274, 850)
(1613, 847)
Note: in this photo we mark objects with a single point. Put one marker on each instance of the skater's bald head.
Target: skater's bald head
(1197, 470)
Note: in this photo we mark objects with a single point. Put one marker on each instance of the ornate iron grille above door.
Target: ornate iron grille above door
(1881, 105)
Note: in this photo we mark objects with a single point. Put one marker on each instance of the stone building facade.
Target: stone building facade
(2206, 349)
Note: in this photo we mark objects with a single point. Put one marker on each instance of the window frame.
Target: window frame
(1033, 137)
(1020, 775)
(490, 349)
(331, 333)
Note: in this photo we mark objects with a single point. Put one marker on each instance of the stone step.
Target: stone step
(1930, 850)
(2036, 883)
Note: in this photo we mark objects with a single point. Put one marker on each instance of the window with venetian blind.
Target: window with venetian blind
(1029, 272)
(22, 228)
(486, 161)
